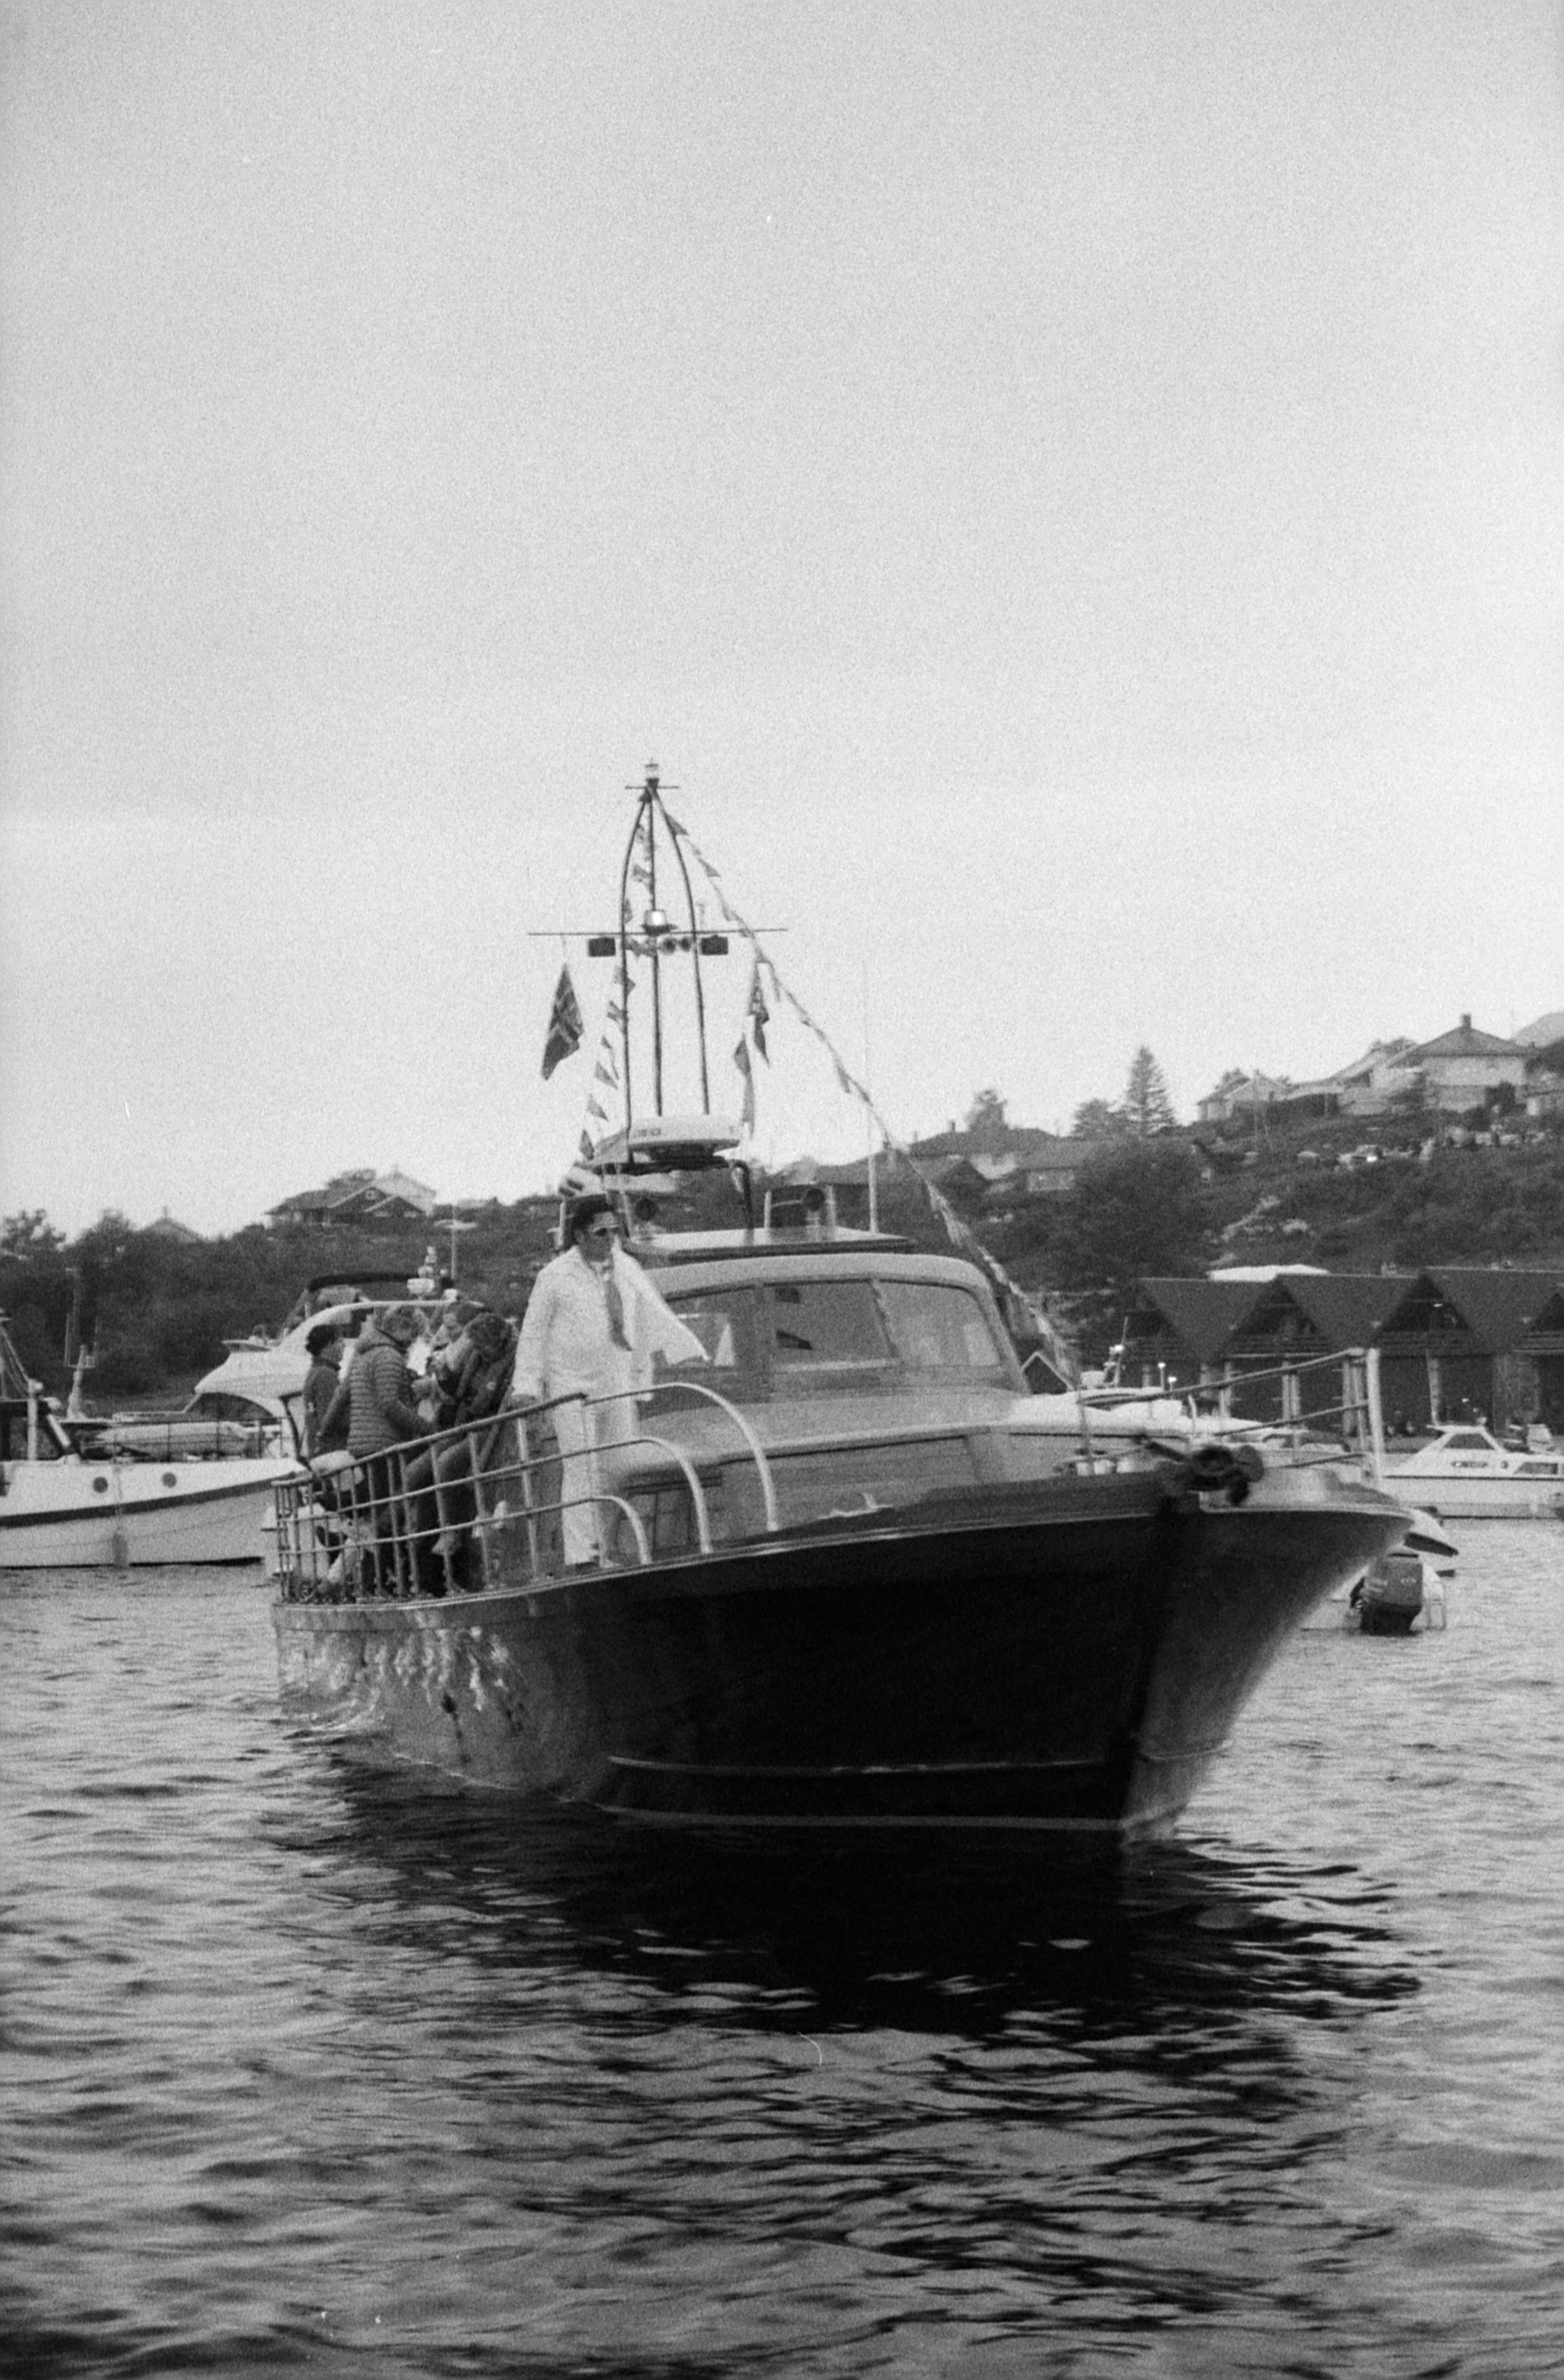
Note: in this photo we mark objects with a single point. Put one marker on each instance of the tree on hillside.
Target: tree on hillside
(986, 1118)
(1146, 1106)
(1134, 1208)
(29, 1233)
(1098, 1119)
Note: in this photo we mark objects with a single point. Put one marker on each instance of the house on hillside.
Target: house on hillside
(1370, 1086)
(1011, 1160)
(1463, 1068)
(360, 1196)
(1239, 1095)
(167, 1228)
(1543, 1041)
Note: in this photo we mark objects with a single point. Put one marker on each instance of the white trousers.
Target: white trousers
(588, 1436)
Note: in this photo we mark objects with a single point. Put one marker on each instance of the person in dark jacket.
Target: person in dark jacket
(377, 1401)
(473, 1389)
(323, 1347)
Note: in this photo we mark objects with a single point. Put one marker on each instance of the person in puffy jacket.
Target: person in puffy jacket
(377, 1401)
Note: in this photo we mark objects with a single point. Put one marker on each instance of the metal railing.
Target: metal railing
(500, 1503)
(1356, 1419)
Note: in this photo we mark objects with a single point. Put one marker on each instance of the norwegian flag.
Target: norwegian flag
(565, 1024)
(759, 1013)
(742, 1060)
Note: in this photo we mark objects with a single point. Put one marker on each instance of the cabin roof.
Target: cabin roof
(729, 1247)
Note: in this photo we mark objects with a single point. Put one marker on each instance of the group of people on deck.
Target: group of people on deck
(592, 1327)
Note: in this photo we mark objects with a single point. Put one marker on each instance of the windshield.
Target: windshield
(808, 1337)
(942, 1329)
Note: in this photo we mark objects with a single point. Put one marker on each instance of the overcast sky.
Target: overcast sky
(1069, 489)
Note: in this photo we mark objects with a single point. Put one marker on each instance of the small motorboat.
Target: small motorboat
(1466, 1474)
(1396, 1594)
(258, 1385)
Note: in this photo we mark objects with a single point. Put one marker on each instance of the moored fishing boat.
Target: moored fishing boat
(849, 1573)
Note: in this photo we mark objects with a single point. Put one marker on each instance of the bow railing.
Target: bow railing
(523, 1497)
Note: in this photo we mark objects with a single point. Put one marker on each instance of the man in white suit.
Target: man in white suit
(592, 1326)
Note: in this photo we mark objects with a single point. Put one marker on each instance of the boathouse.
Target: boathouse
(1297, 1320)
(1177, 1330)
(1457, 1345)
(1541, 1346)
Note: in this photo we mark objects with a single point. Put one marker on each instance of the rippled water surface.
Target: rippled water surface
(309, 2069)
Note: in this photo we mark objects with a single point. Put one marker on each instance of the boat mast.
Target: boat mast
(654, 917)
(652, 934)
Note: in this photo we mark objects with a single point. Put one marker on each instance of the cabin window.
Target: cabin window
(1468, 1442)
(825, 1325)
(723, 1324)
(723, 1320)
(940, 1329)
(214, 1404)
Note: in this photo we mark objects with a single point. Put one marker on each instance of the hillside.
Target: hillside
(1317, 1193)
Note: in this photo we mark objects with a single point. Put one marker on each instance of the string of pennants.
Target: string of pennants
(960, 1233)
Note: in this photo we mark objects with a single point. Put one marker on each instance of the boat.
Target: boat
(1465, 1473)
(1396, 1594)
(258, 1385)
(76, 1494)
(851, 1574)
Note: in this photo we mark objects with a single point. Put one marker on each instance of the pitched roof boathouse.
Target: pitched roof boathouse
(1484, 1338)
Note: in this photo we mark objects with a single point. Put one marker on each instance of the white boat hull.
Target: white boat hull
(1461, 1495)
(88, 1516)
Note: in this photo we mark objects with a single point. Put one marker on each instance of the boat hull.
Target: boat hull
(57, 1516)
(1458, 1496)
(1069, 1660)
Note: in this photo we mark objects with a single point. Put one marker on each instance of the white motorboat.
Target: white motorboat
(1465, 1473)
(71, 1500)
(839, 1572)
(258, 1385)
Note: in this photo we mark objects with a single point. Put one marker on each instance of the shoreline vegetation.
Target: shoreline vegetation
(1334, 1193)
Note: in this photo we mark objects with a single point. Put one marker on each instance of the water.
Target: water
(311, 2069)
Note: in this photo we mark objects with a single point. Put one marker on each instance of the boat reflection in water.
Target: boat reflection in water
(949, 1935)
(851, 1574)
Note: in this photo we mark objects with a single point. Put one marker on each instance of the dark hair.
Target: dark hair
(324, 1335)
(586, 1209)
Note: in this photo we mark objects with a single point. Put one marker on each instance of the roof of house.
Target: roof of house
(167, 1227)
(1026, 1144)
(361, 1186)
(1490, 1304)
(1202, 1313)
(1548, 1319)
(1342, 1309)
(1463, 1041)
(1394, 1052)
